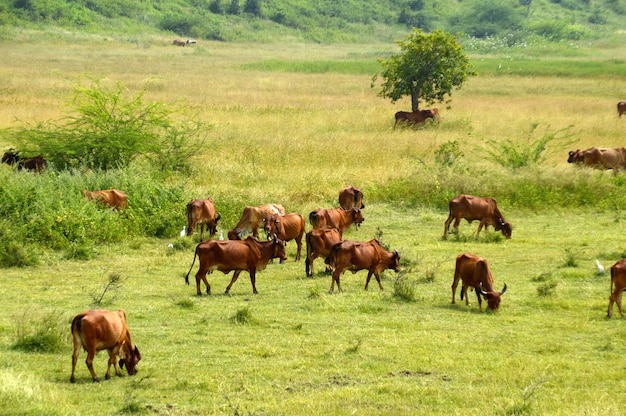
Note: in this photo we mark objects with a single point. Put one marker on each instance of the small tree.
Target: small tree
(427, 68)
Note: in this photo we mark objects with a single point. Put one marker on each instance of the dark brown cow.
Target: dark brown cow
(415, 117)
(98, 330)
(319, 243)
(286, 228)
(113, 198)
(179, 42)
(476, 208)
(252, 218)
(337, 218)
(602, 158)
(618, 278)
(474, 272)
(202, 212)
(33, 164)
(228, 255)
(355, 256)
(351, 197)
(621, 108)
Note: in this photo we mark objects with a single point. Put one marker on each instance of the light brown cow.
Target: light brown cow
(319, 243)
(474, 272)
(351, 197)
(355, 256)
(179, 42)
(415, 117)
(337, 218)
(472, 208)
(618, 278)
(98, 330)
(605, 158)
(286, 228)
(113, 198)
(252, 218)
(202, 212)
(238, 255)
(621, 108)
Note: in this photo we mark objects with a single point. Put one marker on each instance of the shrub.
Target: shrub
(403, 288)
(43, 335)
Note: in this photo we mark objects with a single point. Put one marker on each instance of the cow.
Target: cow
(351, 197)
(415, 117)
(97, 330)
(286, 228)
(618, 278)
(319, 243)
(228, 255)
(202, 212)
(33, 164)
(179, 42)
(473, 208)
(474, 272)
(601, 158)
(337, 218)
(251, 219)
(113, 198)
(355, 256)
(191, 42)
(621, 108)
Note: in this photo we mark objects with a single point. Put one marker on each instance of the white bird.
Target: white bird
(221, 235)
(600, 267)
(182, 232)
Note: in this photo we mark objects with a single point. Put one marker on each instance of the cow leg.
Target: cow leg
(299, 243)
(201, 276)
(619, 303)
(75, 358)
(480, 300)
(378, 280)
(201, 232)
(233, 280)
(455, 283)
(308, 265)
(367, 281)
(446, 227)
(113, 362)
(464, 293)
(253, 281)
(480, 227)
(89, 361)
(335, 278)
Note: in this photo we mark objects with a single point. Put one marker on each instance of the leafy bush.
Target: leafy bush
(43, 335)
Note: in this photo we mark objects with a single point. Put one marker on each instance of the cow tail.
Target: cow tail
(332, 257)
(189, 219)
(195, 254)
(612, 278)
(77, 327)
(309, 251)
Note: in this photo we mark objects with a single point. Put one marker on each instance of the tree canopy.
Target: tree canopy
(427, 68)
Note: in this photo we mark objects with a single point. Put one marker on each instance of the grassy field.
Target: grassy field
(283, 134)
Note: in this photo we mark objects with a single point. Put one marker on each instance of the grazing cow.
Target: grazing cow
(251, 219)
(601, 158)
(474, 272)
(355, 256)
(336, 218)
(33, 164)
(179, 42)
(201, 212)
(618, 278)
(351, 197)
(319, 243)
(286, 228)
(98, 330)
(415, 117)
(621, 108)
(476, 208)
(228, 255)
(113, 198)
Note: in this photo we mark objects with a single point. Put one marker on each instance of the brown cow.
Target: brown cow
(355, 256)
(179, 42)
(415, 117)
(286, 228)
(33, 164)
(602, 158)
(576, 156)
(336, 218)
(252, 217)
(474, 272)
(98, 330)
(202, 212)
(476, 208)
(113, 198)
(351, 197)
(319, 243)
(228, 255)
(621, 108)
(618, 278)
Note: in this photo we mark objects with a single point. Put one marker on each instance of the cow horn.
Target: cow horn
(503, 290)
(218, 216)
(480, 289)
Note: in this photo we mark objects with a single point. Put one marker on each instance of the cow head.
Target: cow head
(395, 262)
(279, 249)
(130, 358)
(270, 225)
(357, 217)
(492, 298)
(234, 234)
(505, 227)
(213, 224)
(575, 156)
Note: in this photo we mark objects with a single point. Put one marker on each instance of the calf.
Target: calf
(319, 243)
(618, 278)
(474, 272)
(336, 218)
(98, 330)
(286, 228)
(179, 42)
(476, 208)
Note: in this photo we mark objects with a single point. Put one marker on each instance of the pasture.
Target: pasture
(296, 137)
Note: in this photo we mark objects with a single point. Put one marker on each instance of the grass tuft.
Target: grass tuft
(44, 334)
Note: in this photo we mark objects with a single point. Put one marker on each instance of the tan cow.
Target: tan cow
(337, 218)
(286, 228)
(472, 208)
(202, 212)
(474, 272)
(98, 330)
(351, 197)
(179, 42)
(415, 117)
(252, 218)
(113, 198)
(319, 243)
(618, 278)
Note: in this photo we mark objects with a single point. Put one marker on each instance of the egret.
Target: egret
(182, 232)
(600, 267)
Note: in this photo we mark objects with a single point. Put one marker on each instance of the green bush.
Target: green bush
(43, 335)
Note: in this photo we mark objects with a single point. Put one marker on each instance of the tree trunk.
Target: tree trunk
(414, 101)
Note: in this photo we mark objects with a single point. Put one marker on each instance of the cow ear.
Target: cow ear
(121, 363)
